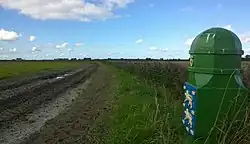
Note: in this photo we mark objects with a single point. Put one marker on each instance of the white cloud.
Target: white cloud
(78, 44)
(1, 49)
(12, 50)
(35, 49)
(246, 51)
(164, 50)
(36, 55)
(228, 27)
(32, 38)
(4, 57)
(139, 41)
(62, 54)
(8, 35)
(153, 48)
(80, 10)
(189, 41)
(64, 45)
(70, 49)
(116, 3)
(245, 38)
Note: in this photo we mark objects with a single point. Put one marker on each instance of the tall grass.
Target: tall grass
(167, 79)
(168, 74)
(234, 131)
(144, 113)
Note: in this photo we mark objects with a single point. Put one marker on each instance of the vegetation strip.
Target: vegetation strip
(143, 114)
(169, 78)
(22, 68)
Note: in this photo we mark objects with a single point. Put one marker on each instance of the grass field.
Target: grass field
(9, 69)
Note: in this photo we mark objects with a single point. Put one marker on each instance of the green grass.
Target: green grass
(148, 112)
(9, 69)
(144, 114)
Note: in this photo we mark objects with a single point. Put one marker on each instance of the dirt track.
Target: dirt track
(26, 106)
(84, 120)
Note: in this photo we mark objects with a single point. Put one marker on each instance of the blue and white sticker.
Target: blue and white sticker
(189, 114)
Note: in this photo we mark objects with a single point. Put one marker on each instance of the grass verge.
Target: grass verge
(144, 114)
(165, 125)
(9, 69)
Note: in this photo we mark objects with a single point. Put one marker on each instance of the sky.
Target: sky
(46, 29)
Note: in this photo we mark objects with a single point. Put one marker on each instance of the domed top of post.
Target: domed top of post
(216, 41)
(216, 51)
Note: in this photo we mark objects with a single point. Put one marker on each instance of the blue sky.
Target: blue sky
(36, 29)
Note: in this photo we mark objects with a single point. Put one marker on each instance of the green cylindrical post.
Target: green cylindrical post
(214, 90)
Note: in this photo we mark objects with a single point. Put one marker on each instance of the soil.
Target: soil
(68, 108)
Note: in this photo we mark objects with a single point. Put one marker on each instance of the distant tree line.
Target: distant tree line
(84, 59)
(58, 59)
(147, 59)
(72, 59)
(246, 58)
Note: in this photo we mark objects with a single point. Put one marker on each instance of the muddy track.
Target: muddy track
(14, 96)
(84, 121)
(18, 106)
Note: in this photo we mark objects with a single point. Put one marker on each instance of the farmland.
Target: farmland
(97, 102)
(12, 68)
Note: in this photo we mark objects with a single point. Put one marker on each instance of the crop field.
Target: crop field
(111, 102)
(13, 68)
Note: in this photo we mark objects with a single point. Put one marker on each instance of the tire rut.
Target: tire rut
(83, 121)
(12, 97)
(17, 107)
